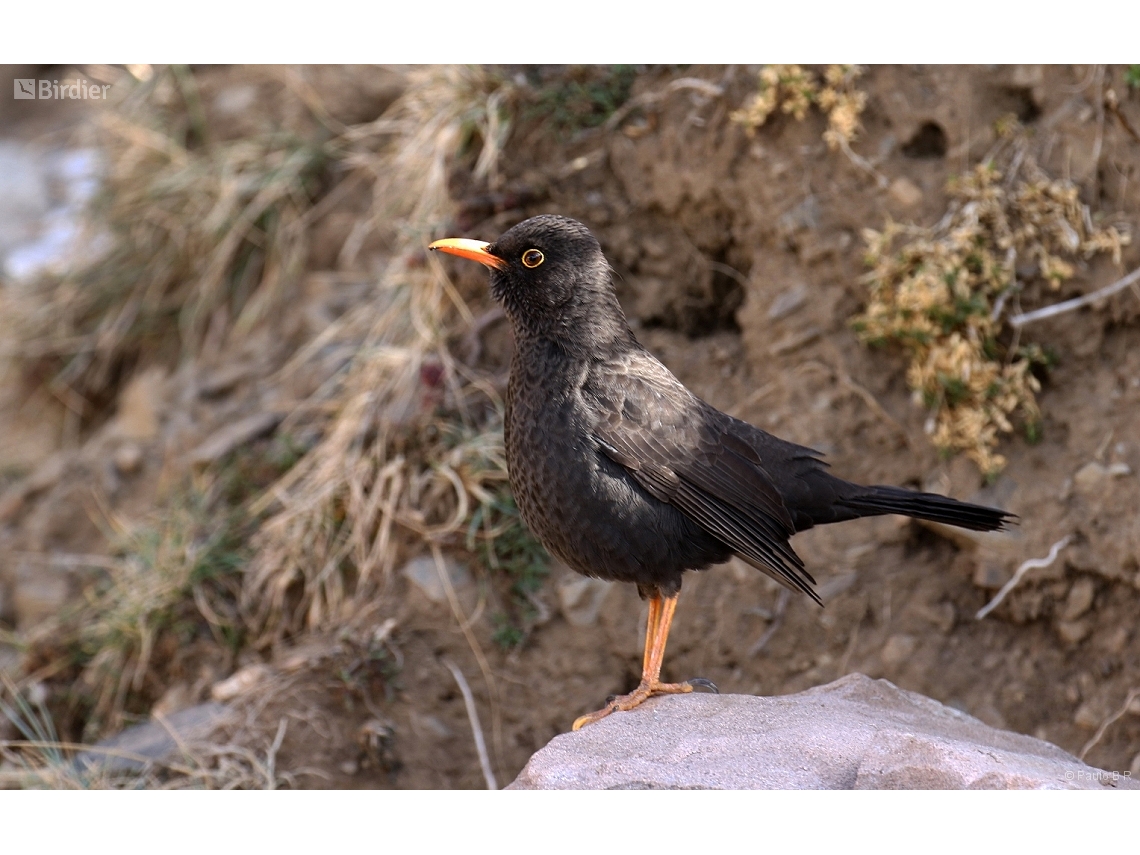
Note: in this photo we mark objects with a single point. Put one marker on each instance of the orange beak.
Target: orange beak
(476, 250)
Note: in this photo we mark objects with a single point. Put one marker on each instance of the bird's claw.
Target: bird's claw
(704, 684)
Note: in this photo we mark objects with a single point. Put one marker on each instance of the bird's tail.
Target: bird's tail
(872, 501)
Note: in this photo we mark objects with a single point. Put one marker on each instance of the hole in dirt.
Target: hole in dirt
(703, 315)
(1017, 100)
(929, 141)
(727, 295)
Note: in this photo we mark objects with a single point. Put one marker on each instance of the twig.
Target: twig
(271, 756)
(880, 180)
(777, 621)
(1110, 101)
(1099, 144)
(1108, 722)
(737, 410)
(1077, 302)
(473, 643)
(708, 89)
(1031, 564)
(476, 729)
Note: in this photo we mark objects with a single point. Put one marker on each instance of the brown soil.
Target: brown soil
(713, 234)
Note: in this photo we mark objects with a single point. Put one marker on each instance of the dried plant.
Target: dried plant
(415, 440)
(793, 90)
(190, 236)
(940, 292)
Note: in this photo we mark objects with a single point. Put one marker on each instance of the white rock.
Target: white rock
(423, 573)
(240, 682)
(581, 598)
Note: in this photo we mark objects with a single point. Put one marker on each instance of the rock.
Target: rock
(141, 404)
(794, 341)
(943, 615)
(1093, 478)
(1090, 479)
(235, 100)
(581, 598)
(1080, 599)
(898, 649)
(855, 733)
(136, 746)
(904, 193)
(990, 574)
(1090, 714)
(226, 439)
(1117, 639)
(423, 573)
(240, 682)
(789, 301)
(127, 458)
(1074, 631)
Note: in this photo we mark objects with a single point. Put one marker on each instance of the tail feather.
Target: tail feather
(926, 506)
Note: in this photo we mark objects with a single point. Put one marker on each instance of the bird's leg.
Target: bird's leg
(656, 634)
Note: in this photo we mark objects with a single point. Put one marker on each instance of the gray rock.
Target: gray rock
(423, 573)
(581, 598)
(135, 747)
(855, 733)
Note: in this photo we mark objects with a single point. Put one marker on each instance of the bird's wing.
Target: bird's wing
(684, 452)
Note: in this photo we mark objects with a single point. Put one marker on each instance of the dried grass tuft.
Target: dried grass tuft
(38, 759)
(193, 239)
(793, 89)
(940, 293)
(143, 605)
(415, 441)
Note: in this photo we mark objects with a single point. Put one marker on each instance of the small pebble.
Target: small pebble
(1080, 599)
(1073, 631)
(904, 192)
(898, 649)
(127, 458)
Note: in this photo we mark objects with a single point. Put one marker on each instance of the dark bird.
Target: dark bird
(626, 475)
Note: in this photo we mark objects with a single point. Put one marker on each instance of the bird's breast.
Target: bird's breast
(582, 506)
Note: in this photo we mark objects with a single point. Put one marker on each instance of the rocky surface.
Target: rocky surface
(153, 740)
(855, 733)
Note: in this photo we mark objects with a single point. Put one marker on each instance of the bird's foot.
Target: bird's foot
(644, 691)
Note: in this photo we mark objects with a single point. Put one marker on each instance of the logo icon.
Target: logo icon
(24, 87)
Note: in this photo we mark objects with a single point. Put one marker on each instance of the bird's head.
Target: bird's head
(552, 279)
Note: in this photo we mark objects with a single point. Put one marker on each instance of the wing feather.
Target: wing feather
(684, 452)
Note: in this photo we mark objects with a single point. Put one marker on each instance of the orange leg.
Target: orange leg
(656, 634)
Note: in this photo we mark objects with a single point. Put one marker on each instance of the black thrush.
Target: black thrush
(622, 472)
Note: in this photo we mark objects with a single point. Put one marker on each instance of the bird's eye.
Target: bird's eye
(533, 258)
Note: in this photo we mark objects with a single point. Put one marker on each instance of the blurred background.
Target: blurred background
(255, 526)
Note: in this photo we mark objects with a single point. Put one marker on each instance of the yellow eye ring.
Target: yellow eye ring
(532, 258)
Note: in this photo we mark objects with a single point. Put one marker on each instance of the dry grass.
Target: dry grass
(941, 294)
(38, 759)
(195, 239)
(204, 239)
(168, 579)
(415, 439)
